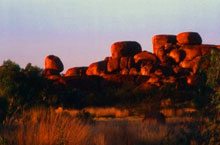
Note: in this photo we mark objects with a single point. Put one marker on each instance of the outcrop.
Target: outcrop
(53, 67)
(175, 60)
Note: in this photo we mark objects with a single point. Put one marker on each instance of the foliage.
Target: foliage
(209, 91)
(20, 87)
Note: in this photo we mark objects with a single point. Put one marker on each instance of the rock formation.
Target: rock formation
(175, 60)
(53, 67)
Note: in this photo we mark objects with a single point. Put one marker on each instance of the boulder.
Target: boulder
(177, 55)
(154, 80)
(192, 64)
(53, 63)
(113, 65)
(144, 55)
(169, 46)
(76, 71)
(125, 49)
(161, 54)
(191, 51)
(190, 38)
(160, 40)
(133, 71)
(126, 62)
(146, 70)
(97, 68)
(124, 71)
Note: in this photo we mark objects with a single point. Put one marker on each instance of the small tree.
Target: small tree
(21, 87)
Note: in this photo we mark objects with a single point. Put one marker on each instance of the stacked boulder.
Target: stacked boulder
(53, 67)
(121, 61)
(175, 60)
(182, 53)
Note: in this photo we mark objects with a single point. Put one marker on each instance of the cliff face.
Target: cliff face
(175, 60)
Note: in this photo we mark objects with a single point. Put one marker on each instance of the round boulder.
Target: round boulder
(191, 38)
(97, 68)
(125, 49)
(53, 62)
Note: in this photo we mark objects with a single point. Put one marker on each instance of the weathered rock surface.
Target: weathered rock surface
(53, 62)
(97, 68)
(191, 38)
(113, 65)
(76, 71)
(175, 61)
(127, 62)
(125, 49)
(144, 55)
(192, 64)
(161, 40)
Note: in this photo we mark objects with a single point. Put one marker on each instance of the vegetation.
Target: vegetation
(22, 89)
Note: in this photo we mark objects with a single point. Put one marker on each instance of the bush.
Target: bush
(20, 87)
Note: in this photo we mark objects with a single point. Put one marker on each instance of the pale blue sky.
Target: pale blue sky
(81, 31)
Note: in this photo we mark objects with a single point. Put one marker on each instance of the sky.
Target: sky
(80, 32)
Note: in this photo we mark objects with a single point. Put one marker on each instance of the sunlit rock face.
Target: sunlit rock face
(97, 68)
(125, 49)
(53, 62)
(144, 55)
(76, 71)
(190, 38)
(159, 41)
(113, 64)
(53, 67)
(175, 60)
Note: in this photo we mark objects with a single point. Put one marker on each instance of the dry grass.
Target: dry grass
(42, 126)
(98, 112)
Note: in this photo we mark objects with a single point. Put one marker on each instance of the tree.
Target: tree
(20, 87)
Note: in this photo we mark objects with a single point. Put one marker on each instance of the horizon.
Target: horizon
(81, 32)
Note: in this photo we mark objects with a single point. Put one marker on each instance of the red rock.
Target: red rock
(191, 38)
(126, 62)
(161, 54)
(107, 58)
(48, 72)
(160, 40)
(124, 71)
(158, 72)
(133, 71)
(97, 68)
(146, 70)
(76, 71)
(125, 48)
(177, 55)
(144, 55)
(113, 65)
(192, 80)
(191, 51)
(54, 77)
(53, 63)
(192, 64)
(154, 80)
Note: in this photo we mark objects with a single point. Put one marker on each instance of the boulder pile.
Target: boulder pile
(175, 60)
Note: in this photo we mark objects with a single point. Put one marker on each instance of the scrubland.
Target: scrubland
(40, 126)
